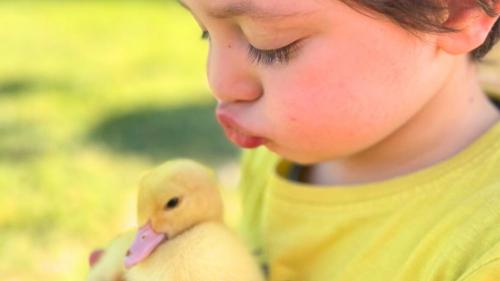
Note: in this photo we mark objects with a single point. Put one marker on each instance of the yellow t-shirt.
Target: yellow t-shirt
(440, 223)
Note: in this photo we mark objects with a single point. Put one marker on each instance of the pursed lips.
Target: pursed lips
(236, 133)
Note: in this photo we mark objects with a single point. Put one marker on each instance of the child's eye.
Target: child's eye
(267, 57)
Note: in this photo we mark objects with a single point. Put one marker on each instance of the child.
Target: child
(373, 153)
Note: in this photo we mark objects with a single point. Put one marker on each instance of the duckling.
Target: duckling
(182, 235)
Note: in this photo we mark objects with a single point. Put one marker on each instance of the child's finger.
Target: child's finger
(95, 256)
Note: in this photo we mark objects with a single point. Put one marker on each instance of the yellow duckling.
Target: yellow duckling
(182, 236)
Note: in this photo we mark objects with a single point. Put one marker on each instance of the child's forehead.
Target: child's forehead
(254, 8)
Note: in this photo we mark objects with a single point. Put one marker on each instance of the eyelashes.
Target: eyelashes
(281, 55)
(267, 57)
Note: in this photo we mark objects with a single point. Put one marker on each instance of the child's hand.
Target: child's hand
(95, 256)
(107, 264)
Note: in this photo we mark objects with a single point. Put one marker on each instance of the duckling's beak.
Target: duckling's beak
(145, 242)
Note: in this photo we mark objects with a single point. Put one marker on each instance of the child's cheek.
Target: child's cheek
(309, 115)
(324, 117)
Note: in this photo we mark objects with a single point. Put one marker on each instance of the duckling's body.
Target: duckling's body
(206, 252)
(182, 235)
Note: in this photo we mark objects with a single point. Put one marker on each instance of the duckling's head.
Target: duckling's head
(173, 197)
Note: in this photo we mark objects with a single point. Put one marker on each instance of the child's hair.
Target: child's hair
(426, 15)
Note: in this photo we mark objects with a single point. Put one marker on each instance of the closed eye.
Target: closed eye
(267, 57)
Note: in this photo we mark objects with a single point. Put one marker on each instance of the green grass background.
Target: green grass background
(92, 94)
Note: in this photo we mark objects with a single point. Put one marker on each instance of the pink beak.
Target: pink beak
(144, 244)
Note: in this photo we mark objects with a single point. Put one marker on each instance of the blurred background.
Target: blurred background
(92, 94)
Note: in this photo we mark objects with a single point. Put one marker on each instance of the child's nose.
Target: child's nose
(231, 76)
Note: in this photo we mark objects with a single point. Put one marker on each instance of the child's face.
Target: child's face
(351, 80)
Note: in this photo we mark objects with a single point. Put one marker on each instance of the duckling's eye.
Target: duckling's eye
(172, 203)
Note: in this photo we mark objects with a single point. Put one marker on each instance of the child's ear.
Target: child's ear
(472, 23)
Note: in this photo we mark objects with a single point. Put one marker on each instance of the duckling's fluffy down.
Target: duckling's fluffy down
(206, 252)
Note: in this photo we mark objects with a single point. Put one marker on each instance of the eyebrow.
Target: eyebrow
(246, 8)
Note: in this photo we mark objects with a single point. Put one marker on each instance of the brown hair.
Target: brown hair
(425, 15)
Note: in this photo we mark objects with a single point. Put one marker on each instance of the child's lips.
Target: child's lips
(238, 134)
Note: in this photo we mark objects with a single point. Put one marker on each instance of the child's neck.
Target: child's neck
(452, 120)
